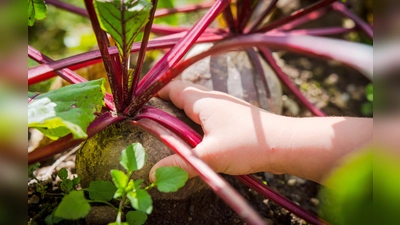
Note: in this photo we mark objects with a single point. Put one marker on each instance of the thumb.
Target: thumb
(172, 160)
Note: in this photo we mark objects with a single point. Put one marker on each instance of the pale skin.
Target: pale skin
(241, 139)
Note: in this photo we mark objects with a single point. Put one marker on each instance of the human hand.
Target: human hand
(241, 139)
(235, 139)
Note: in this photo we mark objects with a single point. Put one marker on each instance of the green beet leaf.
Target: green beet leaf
(123, 20)
(119, 178)
(170, 179)
(101, 190)
(36, 11)
(133, 157)
(73, 206)
(136, 217)
(68, 109)
(141, 200)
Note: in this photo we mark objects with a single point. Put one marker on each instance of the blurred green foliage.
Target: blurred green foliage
(386, 186)
(62, 33)
(351, 196)
(367, 107)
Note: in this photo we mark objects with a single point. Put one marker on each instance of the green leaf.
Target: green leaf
(141, 200)
(73, 206)
(123, 20)
(68, 109)
(36, 11)
(51, 219)
(119, 178)
(171, 19)
(170, 179)
(63, 174)
(138, 184)
(101, 190)
(133, 157)
(351, 192)
(32, 168)
(130, 186)
(67, 185)
(119, 193)
(76, 181)
(136, 217)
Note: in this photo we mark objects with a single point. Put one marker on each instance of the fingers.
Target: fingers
(184, 96)
(174, 90)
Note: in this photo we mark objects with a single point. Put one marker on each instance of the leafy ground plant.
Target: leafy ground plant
(246, 28)
(124, 189)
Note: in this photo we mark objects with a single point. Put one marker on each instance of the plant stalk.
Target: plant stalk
(314, 46)
(295, 15)
(267, 55)
(110, 63)
(173, 56)
(142, 52)
(183, 9)
(47, 70)
(277, 198)
(180, 128)
(230, 21)
(254, 25)
(245, 9)
(340, 7)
